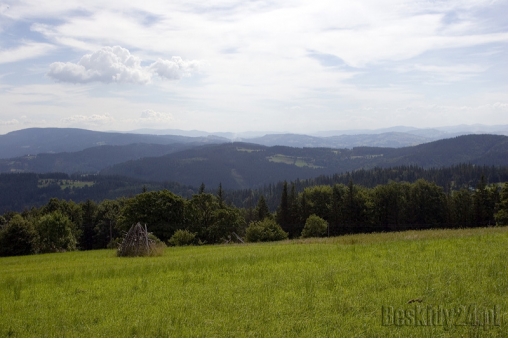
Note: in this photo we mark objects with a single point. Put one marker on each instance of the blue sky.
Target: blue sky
(231, 65)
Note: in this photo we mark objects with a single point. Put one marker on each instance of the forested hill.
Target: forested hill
(89, 161)
(22, 191)
(53, 140)
(240, 165)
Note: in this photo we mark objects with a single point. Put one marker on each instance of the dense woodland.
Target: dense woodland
(209, 218)
(250, 166)
(25, 190)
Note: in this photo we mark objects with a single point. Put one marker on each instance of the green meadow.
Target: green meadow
(438, 283)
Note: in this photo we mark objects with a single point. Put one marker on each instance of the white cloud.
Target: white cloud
(109, 64)
(149, 116)
(447, 73)
(94, 119)
(117, 64)
(175, 68)
(259, 53)
(28, 50)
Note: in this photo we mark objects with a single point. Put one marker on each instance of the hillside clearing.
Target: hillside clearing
(324, 287)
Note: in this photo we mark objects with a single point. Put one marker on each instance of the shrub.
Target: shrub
(159, 245)
(18, 238)
(314, 227)
(56, 233)
(182, 238)
(265, 230)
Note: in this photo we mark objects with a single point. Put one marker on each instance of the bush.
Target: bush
(182, 238)
(18, 238)
(56, 233)
(266, 230)
(158, 247)
(314, 227)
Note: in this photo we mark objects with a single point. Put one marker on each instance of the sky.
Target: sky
(248, 65)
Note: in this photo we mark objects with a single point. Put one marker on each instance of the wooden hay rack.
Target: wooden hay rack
(136, 243)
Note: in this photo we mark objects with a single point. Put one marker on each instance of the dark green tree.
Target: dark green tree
(200, 214)
(56, 233)
(220, 195)
(315, 227)
(162, 212)
(106, 227)
(283, 217)
(355, 212)
(462, 208)
(262, 210)
(265, 230)
(427, 205)
(485, 199)
(18, 237)
(89, 215)
(389, 202)
(319, 200)
(501, 215)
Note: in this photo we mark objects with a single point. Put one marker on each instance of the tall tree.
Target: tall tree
(162, 212)
(462, 208)
(220, 195)
(89, 213)
(18, 237)
(283, 212)
(337, 210)
(56, 233)
(262, 210)
(501, 215)
(428, 204)
(485, 199)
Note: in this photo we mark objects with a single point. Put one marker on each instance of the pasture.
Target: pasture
(437, 283)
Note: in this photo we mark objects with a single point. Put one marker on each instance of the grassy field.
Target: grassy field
(290, 160)
(65, 183)
(346, 286)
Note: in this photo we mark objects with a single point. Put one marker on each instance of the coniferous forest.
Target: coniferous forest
(377, 200)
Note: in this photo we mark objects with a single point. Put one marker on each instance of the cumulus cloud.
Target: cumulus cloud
(117, 64)
(175, 68)
(150, 116)
(94, 119)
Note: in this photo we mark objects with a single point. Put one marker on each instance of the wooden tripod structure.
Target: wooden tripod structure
(136, 243)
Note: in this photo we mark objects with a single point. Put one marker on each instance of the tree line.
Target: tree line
(207, 218)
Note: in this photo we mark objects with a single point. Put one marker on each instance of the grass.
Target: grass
(289, 160)
(248, 150)
(63, 183)
(324, 287)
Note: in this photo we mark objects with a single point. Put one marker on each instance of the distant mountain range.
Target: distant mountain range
(432, 133)
(242, 165)
(34, 141)
(90, 160)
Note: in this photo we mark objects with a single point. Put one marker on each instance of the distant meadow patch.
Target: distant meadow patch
(371, 285)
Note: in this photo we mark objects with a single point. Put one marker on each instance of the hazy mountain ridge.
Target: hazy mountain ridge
(242, 165)
(90, 160)
(389, 139)
(55, 140)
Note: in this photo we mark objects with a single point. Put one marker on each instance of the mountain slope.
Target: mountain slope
(90, 160)
(391, 139)
(54, 140)
(240, 165)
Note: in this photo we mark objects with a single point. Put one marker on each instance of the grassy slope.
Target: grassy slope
(318, 287)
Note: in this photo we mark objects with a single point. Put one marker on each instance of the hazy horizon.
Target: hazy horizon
(482, 128)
